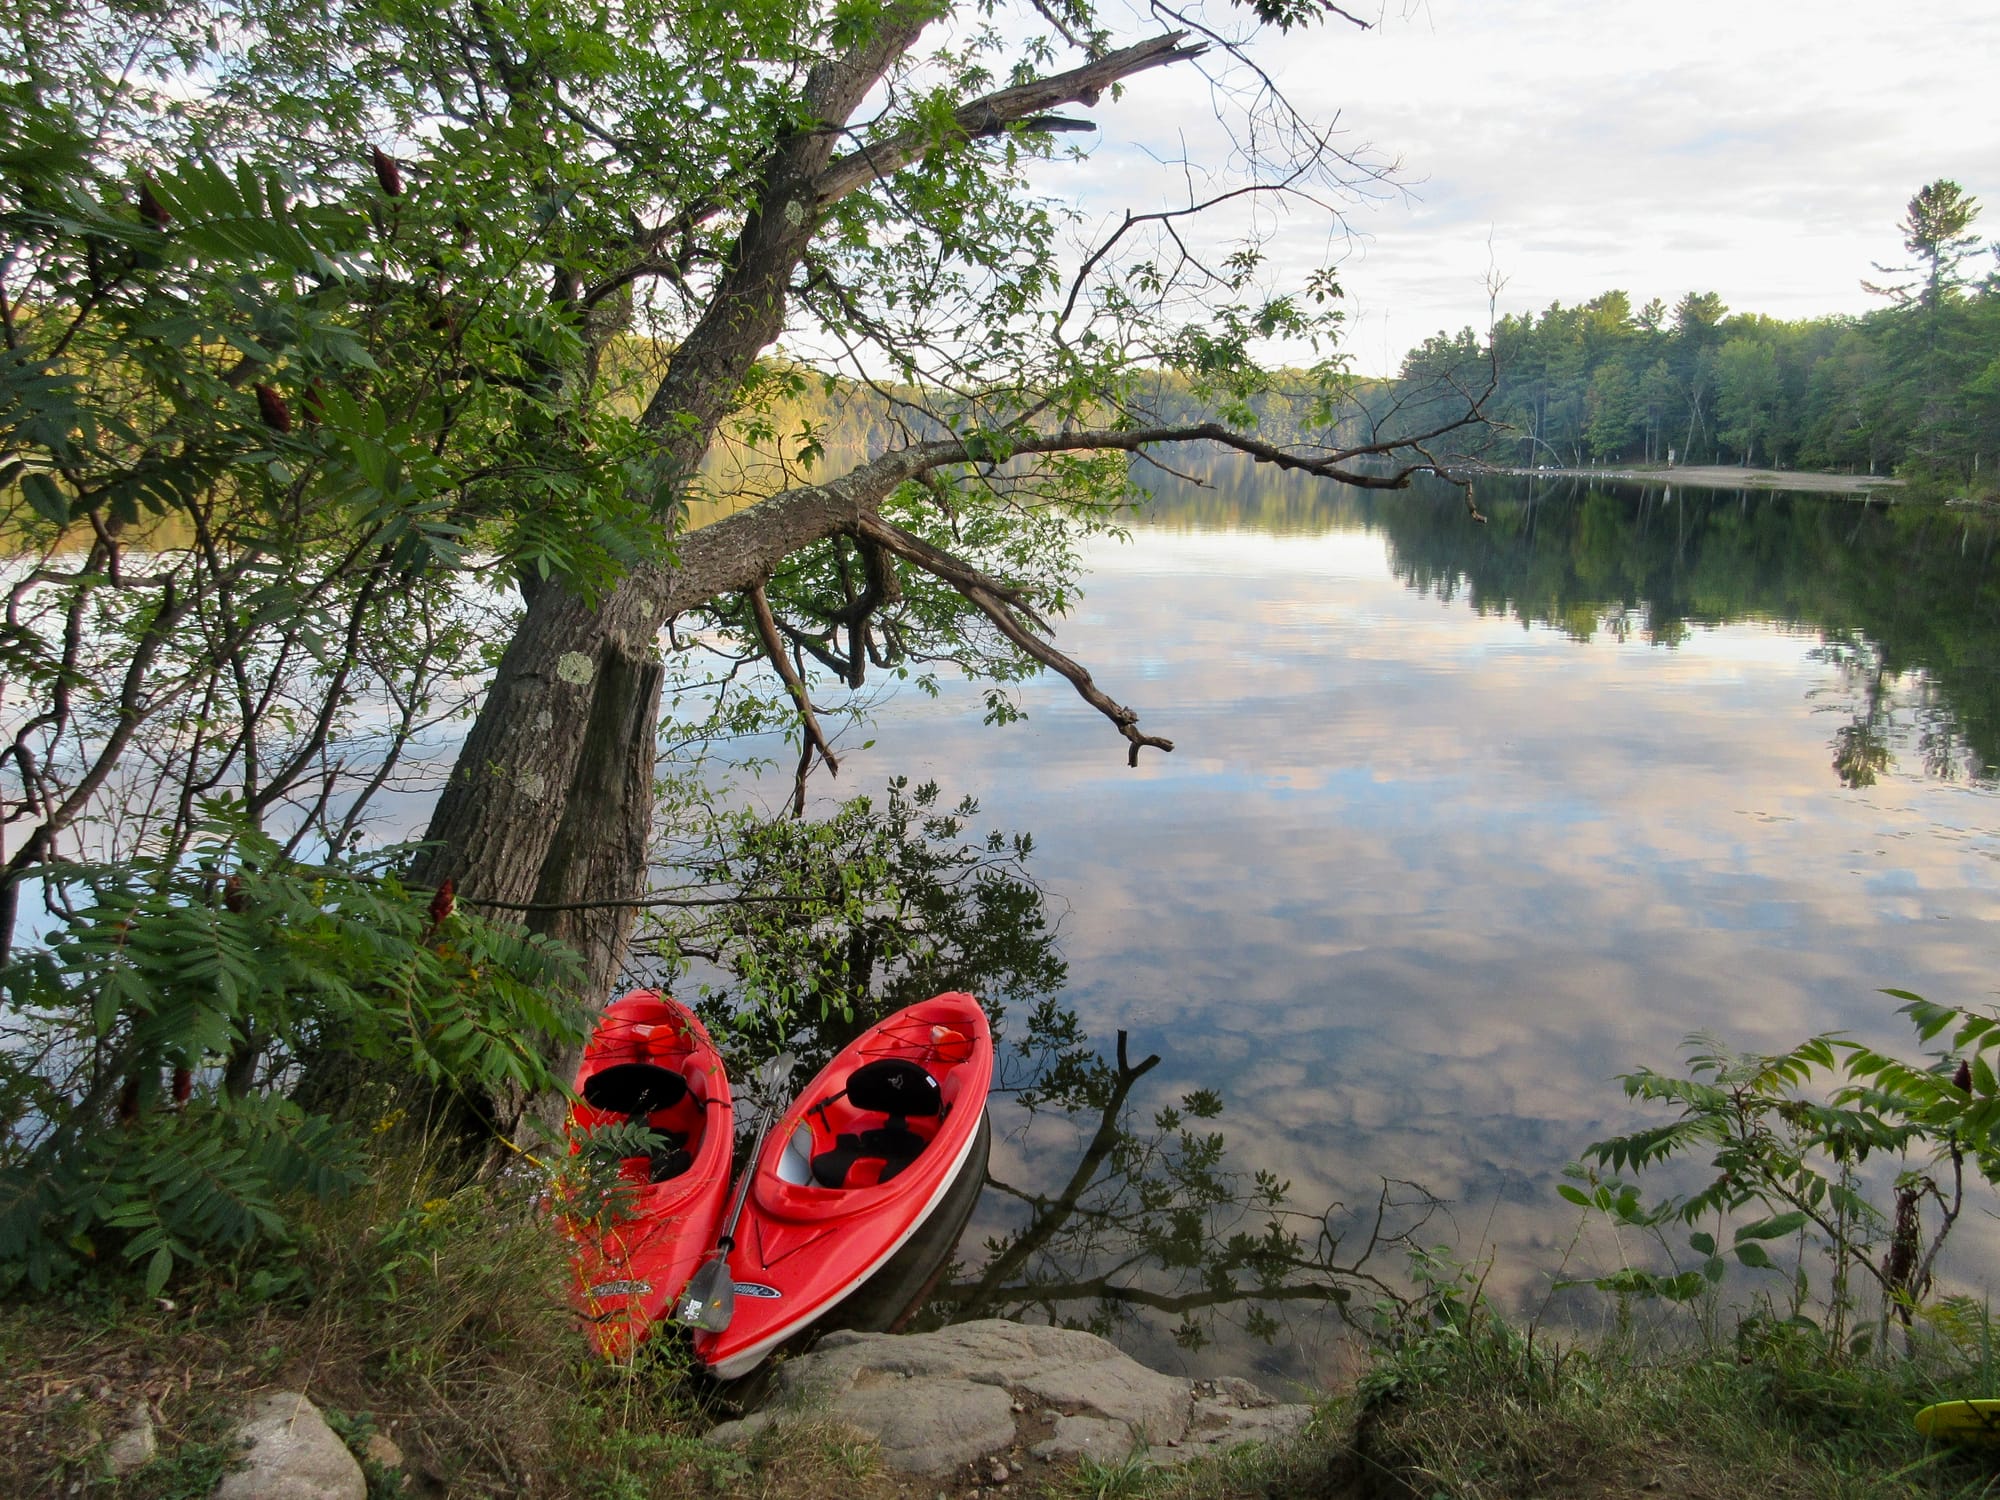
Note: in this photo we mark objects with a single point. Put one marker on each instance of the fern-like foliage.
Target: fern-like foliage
(149, 1046)
(1783, 1136)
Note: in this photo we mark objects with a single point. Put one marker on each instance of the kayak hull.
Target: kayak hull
(649, 1062)
(844, 1184)
(897, 1292)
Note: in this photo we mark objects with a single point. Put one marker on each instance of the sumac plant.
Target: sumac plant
(152, 1047)
(1832, 1148)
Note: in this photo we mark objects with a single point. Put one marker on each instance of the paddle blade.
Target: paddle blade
(775, 1072)
(710, 1299)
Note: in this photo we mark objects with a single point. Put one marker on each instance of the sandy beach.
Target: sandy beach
(1723, 477)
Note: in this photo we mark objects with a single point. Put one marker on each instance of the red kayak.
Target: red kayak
(649, 1062)
(880, 1149)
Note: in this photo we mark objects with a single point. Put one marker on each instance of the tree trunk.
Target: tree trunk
(601, 845)
(551, 800)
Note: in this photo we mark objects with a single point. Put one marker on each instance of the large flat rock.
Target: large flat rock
(939, 1401)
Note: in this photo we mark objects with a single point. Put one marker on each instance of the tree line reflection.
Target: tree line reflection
(1904, 597)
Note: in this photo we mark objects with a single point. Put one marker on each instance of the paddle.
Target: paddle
(710, 1299)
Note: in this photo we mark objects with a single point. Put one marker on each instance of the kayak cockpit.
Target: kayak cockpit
(647, 1073)
(653, 1110)
(872, 1124)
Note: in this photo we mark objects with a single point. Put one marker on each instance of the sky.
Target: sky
(1763, 149)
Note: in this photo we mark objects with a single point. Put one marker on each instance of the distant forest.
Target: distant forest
(1913, 387)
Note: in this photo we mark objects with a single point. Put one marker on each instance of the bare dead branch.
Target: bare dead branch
(811, 735)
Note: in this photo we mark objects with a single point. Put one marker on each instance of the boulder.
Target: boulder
(135, 1444)
(939, 1401)
(292, 1455)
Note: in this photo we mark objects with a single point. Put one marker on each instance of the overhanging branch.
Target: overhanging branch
(810, 735)
(993, 113)
(988, 595)
(737, 553)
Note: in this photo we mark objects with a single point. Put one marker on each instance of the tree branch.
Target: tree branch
(738, 553)
(812, 738)
(993, 113)
(1052, 1215)
(983, 592)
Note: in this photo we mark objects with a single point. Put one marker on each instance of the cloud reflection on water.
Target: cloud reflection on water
(1417, 882)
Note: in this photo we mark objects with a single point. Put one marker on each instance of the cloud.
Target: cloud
(1764, 151)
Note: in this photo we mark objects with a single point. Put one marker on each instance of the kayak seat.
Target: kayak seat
(867, 1157)
(889, 1086)
(634, 1088)
(668, 1159)
(637, 1090)
(896, 1087)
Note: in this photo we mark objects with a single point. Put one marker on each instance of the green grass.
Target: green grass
(426, 1308)
(1481, 1413)
(431, 1311)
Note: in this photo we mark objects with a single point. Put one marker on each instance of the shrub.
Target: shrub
(151, 1045)
(1786, 1138)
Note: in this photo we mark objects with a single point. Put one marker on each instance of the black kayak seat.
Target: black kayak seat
(894, 1145)
(896, 1087)
(668, 1159)
(892, 1086)
(634, 1088)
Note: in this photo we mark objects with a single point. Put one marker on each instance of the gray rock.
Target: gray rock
(922, 1426)
(1088, 1437)
(939, 1401)
(1118, 1389)
(134, 1445)
(293, 1455)
(1241, 1413)
(1242, 1392)
(930, 1426)
(1064, 1368)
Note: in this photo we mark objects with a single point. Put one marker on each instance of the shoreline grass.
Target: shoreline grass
(432, 1312)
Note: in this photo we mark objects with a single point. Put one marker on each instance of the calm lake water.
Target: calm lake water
(1463, 821)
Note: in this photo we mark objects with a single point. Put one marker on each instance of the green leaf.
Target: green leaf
(1703, 1242)
(46, 497)
(158, 1269)
(1773, 1228)
(1753, 1254)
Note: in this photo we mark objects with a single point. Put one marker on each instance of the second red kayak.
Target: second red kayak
(879, 1146)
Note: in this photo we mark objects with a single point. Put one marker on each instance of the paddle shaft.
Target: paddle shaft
(727, 1241)
(771, 1075)
(709, 1300)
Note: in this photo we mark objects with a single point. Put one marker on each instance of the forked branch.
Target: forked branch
(811, 736)
(1000, 605)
